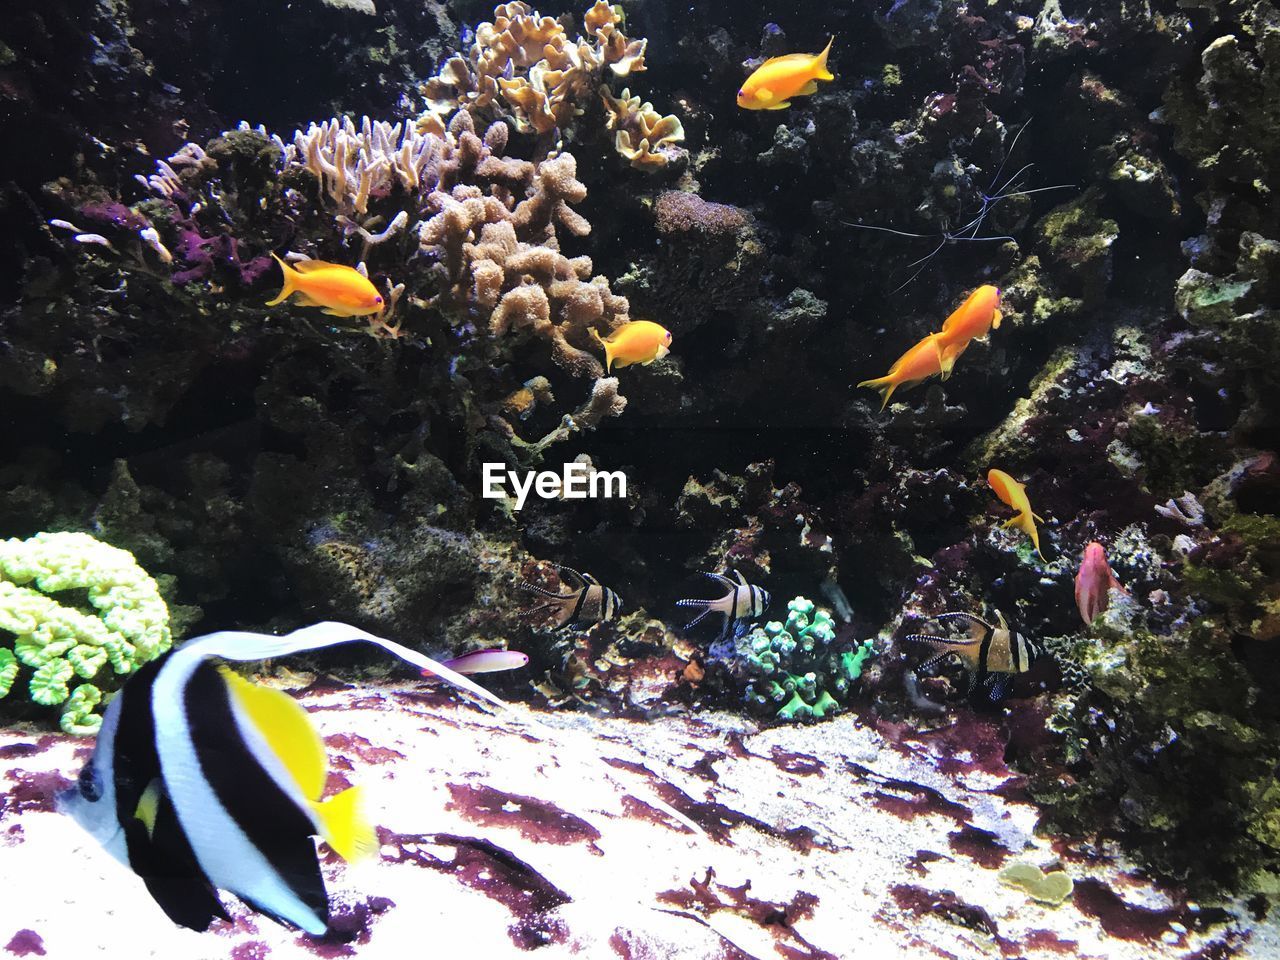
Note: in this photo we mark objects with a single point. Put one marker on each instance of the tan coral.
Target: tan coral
(645, 137)
(492, 228)
(524, 67)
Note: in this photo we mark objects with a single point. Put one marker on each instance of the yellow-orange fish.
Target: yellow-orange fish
(972, 320)
(1013, 493)
(922, 361)
(776, 81)
(342, 291)
(640, 341)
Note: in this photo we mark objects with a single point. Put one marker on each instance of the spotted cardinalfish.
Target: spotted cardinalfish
(203, 781)
(1013, 493)
(743, 602)
(587, 602)
(992, 653)
(772, 84)
(340, 290)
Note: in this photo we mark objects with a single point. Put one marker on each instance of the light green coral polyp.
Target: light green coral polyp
(793, 664)
(125, 624)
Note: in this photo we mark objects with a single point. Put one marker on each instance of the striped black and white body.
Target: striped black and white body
(201, 780)
(744, 602)
(588, 601)
(992, 653)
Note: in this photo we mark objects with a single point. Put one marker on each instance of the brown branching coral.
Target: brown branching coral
(499, 253)
(524, 67)
(645, 137)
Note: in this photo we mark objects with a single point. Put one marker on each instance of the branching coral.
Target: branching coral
(523, 66)
(798, 667)
(499, 254)
(60, 642)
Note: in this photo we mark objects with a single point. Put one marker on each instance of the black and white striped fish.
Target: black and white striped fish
(992, 653)
(201, 780)
(587, 602)
(743, 602)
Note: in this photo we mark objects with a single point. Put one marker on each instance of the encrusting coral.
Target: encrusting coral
(798, 668)
(60, 642)
(524, 67)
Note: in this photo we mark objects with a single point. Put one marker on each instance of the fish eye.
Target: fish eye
(89, 784)
(377, 299)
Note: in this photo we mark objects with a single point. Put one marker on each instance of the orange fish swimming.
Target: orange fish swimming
(1013, 493)
(776, 81)
(342, 291)
(640, 341)
(1094, 583)
(972, 320)
(922, 361)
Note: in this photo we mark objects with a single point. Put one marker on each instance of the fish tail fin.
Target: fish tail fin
(704, 604)
(343, 825)
(820, 71)
(884, 386)
(289, 275)
(608, 350)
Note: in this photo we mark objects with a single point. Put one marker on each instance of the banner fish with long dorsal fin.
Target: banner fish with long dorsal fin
(203, 781)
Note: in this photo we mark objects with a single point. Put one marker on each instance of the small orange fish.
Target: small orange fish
(640, 341)
(1094, 583)
(922, 361)
(776, 81)
(342, 291)
(1013, 493)
(972, 320)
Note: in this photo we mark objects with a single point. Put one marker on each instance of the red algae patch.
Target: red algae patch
(26, 943)
(1122, 919)
(536, 819)
(980, 846)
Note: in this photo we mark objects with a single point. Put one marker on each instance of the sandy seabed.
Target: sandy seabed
(553, 834)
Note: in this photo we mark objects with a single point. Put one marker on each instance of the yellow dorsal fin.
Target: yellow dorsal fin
(342, 824)
(310, 266)
(286, 728)
(820, 71)
(148, 805)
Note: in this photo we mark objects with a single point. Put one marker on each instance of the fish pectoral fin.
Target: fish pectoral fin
(1037, 516)
(149, 805)
(995, 320)
(764, 94)
(343, 825)
(1011, 522)
(808, 88)
(306, 300)
(780, 106)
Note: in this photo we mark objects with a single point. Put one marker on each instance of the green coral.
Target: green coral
(122, 620)
(799, 665)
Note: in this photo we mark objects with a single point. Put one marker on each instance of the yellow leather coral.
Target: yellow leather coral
(644, 136)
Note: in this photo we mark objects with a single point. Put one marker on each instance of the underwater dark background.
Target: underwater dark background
(272, 471)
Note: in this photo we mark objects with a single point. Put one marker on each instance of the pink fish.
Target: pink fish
(1094, 582)
(485, 661)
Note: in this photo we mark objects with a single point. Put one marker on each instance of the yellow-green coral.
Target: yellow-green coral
(126, 623)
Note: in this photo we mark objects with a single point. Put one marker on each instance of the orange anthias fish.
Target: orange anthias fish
(972, 320)
(1013, 493)
(1094, 583)
(922, 361)
(640, 341)
(342, 291)
(776, 81)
